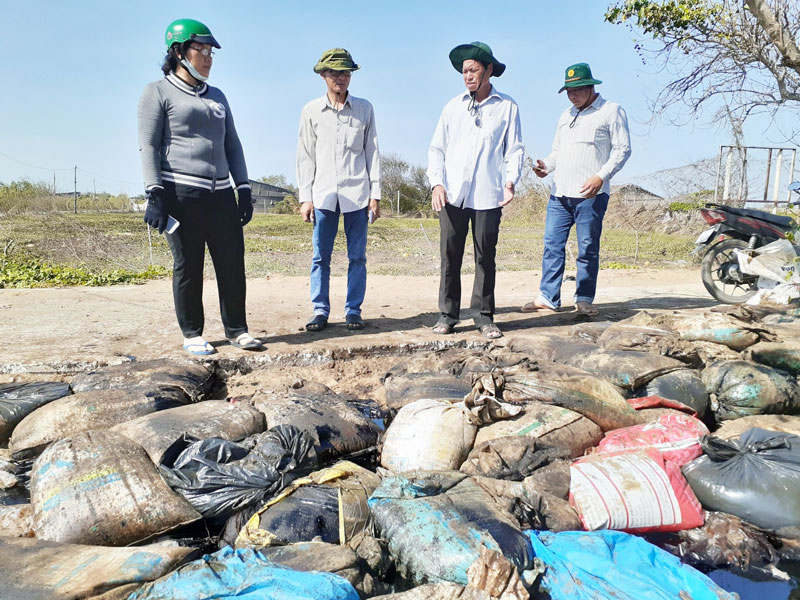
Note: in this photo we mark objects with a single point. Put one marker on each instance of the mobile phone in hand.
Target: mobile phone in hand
(172, 224)
(371, 217)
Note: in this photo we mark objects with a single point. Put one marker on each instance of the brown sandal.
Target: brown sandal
(536, 305)
(443, 329)
(491, 331)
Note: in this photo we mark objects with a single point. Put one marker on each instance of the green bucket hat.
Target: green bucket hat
(336, 59)
(475, 51)
(578, 75)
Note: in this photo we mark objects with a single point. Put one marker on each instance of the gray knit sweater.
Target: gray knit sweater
(187, 136)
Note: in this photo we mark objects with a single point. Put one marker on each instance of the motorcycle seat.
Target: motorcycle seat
(780, 220)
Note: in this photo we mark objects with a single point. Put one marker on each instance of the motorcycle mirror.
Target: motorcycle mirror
(794, 186)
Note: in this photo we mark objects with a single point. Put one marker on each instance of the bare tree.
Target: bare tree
(743, 53)
(393, 175)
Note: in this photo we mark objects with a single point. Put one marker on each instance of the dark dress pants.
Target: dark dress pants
(454, 223)
(207, 219)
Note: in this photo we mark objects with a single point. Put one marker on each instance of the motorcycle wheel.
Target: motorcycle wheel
(721, 275)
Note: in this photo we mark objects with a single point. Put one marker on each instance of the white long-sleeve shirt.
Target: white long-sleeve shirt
(337, 155)
(598, 143)
(474, 155)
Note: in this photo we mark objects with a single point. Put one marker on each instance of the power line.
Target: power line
(33, 166)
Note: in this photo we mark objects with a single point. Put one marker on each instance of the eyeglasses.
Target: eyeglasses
(572, 124)
(204, 51)
(335, 74)
(474, 110)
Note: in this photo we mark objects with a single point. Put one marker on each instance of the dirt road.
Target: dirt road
(72, 329)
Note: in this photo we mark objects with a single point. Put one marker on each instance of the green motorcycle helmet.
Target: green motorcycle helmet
(188, 30)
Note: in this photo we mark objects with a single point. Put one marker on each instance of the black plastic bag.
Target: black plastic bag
(755, 477)
(17, 400)
(218, 477)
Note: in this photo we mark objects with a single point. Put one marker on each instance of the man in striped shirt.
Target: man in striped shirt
(592, 143)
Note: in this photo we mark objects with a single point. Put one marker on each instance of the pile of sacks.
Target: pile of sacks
(549, 466)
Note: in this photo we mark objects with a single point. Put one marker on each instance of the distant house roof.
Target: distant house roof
(259, 188)
(631, 190)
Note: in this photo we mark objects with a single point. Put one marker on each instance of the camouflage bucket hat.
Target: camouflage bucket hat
(336, 59)
(578, 75)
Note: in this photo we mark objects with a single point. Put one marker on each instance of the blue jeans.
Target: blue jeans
(587, 216)
(326, 225)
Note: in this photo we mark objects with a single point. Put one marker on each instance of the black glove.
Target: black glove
(155, 214)
(245, 205)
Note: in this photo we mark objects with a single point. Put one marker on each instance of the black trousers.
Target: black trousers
(454, 223)
(207, 219)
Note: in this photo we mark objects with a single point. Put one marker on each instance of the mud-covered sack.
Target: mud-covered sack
(784, 356)
(675, 436)
(778, 423)
(436, 522)
(611, 564)
(685, 386)
(158, 431)
(330, 505)
(100, 488)
(724, 542)
(755, 477)
(549, 424)
(627, 369)
(16, 520)
(428, 434)
(570, 388)
(405, 388)
(512, 458)
(244, 573)
(191, 377)
(636, 491)
(740, 389)
(533, 502)
(17, 400)
(218, 477)
(338, 427)
(589, 331)
(94, 409)
(40, 570)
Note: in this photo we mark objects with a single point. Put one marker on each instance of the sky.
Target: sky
(72, 73)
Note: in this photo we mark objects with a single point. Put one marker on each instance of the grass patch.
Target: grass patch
(108, 248)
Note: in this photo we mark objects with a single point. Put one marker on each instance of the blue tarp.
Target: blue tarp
(618, 566)
(244, 574)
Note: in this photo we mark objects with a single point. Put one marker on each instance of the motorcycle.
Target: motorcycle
(742, 230)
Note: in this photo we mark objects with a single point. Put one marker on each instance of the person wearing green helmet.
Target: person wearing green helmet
(190, 151)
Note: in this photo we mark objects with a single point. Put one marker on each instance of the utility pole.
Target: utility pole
(54, 183)
(75, 191)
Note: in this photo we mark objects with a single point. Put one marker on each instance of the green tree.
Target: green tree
(741, 56)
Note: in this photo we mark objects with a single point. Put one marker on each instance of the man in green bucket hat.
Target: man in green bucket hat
(592, 143)
(338, 171)
(474, 163)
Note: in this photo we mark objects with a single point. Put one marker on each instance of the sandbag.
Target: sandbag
(244, 573)
(40, 570)
(18, 400)
(628, 370)
(550, 424)
(675, 436)
(436, 522)
(191, 377)
(512, 458)
(684, 386)
(755, 477)
(94, 409)
(590, 330)
(725, 542)
(157, 431)
(100, 488)
(784, 356)
(338, 427)
(636, 491)
(330, 504)
(613, 564)
(406, 388)
(428, 434)
(739, 388)
(16, 520)
(571, 388)
(779, 423)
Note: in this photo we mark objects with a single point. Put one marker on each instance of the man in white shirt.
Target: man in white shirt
(591, 144)
(338, 171)
(474, 163)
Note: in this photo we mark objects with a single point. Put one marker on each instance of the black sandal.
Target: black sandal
(491, 331)
(354, 322)
(443, 328)
(318, 323)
